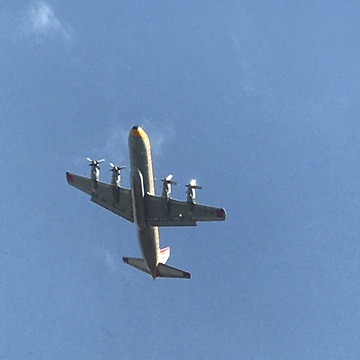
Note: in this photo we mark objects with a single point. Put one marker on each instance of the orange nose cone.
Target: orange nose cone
(137, 131)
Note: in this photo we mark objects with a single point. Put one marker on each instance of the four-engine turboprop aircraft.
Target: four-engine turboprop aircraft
(139, 204)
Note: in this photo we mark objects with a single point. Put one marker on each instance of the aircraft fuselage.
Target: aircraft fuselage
(142, 182)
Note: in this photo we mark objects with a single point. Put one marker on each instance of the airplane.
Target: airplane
(140, 205)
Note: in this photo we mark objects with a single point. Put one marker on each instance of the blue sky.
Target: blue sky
(258, 101)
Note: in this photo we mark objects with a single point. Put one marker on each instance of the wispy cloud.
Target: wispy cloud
(37, 20)
(114, 146)
(107, 257)
(40, 19)
(113, 263)
(43, 18)
(159, 137)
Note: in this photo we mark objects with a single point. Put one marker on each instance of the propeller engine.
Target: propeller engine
(94, 173)
(191, 193)
(95, 162)
(167, 182)
(116, 174)
(95, 168)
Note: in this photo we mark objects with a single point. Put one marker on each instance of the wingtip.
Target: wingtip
(221, 213)
(69, 177)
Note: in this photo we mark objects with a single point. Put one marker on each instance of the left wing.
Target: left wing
(114, 199)
(161, 212)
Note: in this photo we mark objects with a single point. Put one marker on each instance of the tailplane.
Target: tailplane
(171, 272)
(137, 263)
(161, 270)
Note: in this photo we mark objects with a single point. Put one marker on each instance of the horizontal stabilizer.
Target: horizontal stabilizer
(162, 270)
(171, 272)
(137, 263)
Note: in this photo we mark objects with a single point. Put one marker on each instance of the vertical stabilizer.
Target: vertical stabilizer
(164, 255)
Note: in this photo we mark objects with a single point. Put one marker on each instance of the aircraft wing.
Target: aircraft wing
(116, 200)
(179, 213)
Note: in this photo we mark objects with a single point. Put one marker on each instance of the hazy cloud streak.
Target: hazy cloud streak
(41, 19)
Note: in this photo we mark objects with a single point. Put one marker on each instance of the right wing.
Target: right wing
(179, 213)
(117, 200)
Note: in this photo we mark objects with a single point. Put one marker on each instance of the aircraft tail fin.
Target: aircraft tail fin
(137, 263)
(171, 272)
(164, 255)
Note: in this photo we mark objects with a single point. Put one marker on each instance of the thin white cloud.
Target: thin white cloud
(113, 263)
(116, 144)
(106, 256)
(110, 261)
(41, 19)
(159, 137)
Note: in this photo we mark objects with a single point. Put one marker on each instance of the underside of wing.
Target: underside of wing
(80, 182)
(113, 198)
(161, 212)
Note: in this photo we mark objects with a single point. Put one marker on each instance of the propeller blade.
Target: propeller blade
(168, 179)
(193, 184)
(116, 168)
(95, 162)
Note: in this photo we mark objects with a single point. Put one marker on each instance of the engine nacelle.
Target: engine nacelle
(94, 173)
(116, 174)
(116, 181)
(191, 191)
(190, 195)
(115, 178)
(166, 190)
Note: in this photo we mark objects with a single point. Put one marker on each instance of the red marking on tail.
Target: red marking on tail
(164, 249)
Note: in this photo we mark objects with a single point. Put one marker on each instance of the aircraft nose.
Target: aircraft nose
(137, 131)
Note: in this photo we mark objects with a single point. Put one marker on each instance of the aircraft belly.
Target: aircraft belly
(140, 160)
(149, 245)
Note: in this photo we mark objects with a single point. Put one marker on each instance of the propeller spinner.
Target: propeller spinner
(193, 185)
(95, 162)
(116, 168)
(168, 180)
